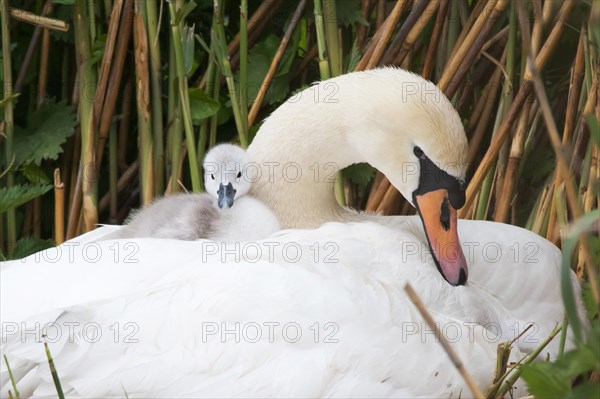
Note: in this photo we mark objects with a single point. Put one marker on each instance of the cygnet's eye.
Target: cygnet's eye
(239, 175)
(212, 176)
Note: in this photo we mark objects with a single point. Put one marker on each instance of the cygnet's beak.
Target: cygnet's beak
(226, 194)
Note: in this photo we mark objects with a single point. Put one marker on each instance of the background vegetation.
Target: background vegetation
(108, 104)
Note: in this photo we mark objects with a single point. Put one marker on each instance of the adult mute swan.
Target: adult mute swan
(306, 312)
(208, 215)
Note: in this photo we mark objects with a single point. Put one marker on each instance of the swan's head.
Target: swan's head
(224, 174)
(419, 143)
(437, 197)
(398, 122)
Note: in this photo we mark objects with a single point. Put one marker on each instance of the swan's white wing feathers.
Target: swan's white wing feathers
(351, 292)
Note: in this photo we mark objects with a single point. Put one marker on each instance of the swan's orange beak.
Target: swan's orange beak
(439, 221)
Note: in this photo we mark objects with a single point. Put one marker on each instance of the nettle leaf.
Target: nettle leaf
(594, 126)
(20, 194)
(46, 132)
(64, 13)
(259, 60)
(354, 58)
(587, 390)
(98, 49)
(543, 381)
(578, 361)
(201, 105)
(359, 173)
(67, 2)
(588, 299)
(29, 246)
(35, 174)
(348, 13)
(554, 379)
(540, 163)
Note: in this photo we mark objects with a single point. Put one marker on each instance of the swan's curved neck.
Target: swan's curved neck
(296, 177)
(377, 116)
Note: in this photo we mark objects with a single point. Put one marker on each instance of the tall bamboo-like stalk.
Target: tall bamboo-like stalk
(205, 124)
(184, 100)
(453, 27)
(331, 32)
(208, 127)
(112, 174)
(219, 36)
(155, 81)
(11, 224)
(92, 19)
(327, 38)
(142, 80)
(320, 26)
(505, 102)
(175, 131)
(514, 111)
(244, 66)
(486, 188)
(562, 160)
(59, 208)
(87, 80)
(575, 85)
(516, 150)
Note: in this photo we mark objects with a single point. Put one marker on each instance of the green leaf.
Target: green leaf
(259, 60)
(64, 13)
(67, 2)
(570, 238)
(20, 194)
(359, 173)
(9, 98)
(594, 126)
(577, 361)
(201, 105)
(348, 13)
(98, 48)
(35, 174)
(47, 130)
(185, 11)
(29, 246)
(554, 379)
(543, 381)
(187, 38)
(566, 288)
(354, 58)
(188, 8)
(588, 300)
(538, 165)
(587, 390)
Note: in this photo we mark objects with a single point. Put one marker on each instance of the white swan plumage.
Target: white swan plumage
(317, 310)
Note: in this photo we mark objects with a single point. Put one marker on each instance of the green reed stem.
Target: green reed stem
(244, 65)
(11, 223)
(185, 101)
(156, 81)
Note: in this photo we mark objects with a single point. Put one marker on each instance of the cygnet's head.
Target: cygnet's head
(224, 174)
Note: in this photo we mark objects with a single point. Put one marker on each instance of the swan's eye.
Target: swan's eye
(239, 175)
(212, 177)
(419, 153)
